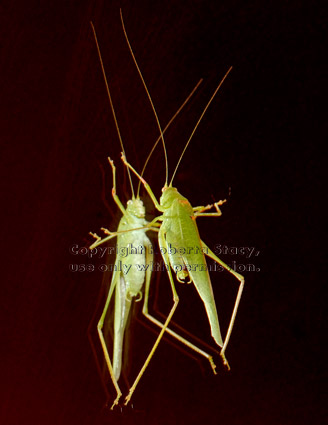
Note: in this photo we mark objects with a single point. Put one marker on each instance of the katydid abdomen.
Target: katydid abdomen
(130, 270)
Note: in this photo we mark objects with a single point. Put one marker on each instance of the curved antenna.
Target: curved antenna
(198, 122)
(149, 97)
(165, 128)
(110, 101)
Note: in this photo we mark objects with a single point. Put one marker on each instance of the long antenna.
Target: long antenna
(149, 97)
(198, 122)
(165, 128)
(110, 101)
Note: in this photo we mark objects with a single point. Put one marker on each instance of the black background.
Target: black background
(260, 137)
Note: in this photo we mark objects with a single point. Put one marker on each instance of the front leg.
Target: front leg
(199, 210)
(115, 197)
(150, 226)
(99, 240)
(143, 181)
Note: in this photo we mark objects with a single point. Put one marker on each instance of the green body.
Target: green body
(183, 251)
(129, 274)
(179, 230)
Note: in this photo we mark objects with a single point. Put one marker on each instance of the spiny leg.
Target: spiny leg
(100, 241)
(241, 279)
(161, 241)
(174, 334)
(199, 210)
(93, 348)
(143, 181)
(103, 342)
(115, 197)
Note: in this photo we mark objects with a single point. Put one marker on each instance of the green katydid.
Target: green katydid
(131, 270)
(126, 280)
(181, 246)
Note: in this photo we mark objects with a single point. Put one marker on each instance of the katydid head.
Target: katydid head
(136, 208)
(169, 195)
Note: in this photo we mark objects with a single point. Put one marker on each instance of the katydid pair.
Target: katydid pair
(177, 231)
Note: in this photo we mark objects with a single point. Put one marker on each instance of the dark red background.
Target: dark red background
(259, 137)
